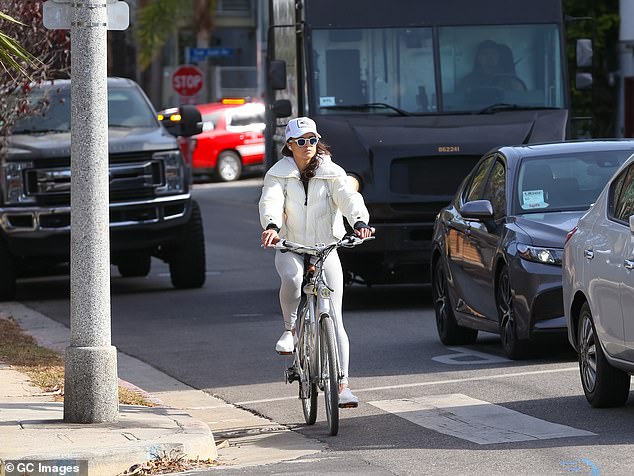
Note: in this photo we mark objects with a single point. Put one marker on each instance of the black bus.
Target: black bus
(406, 94)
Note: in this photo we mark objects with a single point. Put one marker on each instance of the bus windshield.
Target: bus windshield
(468, 69)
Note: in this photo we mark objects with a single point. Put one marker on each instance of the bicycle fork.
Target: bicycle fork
(325, 311)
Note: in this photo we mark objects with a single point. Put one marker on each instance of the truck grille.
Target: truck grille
(128, 180)
(435, 175)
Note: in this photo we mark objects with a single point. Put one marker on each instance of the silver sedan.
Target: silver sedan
(598, 286)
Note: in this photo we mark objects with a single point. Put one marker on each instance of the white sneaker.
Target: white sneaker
(347, 399)
(286, 343)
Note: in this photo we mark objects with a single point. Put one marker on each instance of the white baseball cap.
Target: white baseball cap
(300, 126)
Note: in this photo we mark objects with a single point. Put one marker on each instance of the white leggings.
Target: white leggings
(290, 267)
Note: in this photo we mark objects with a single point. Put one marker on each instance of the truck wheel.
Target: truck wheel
(187, 258)
(7, 274)
(229, 166)
(135, 265)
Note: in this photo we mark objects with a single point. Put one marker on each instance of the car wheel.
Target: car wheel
(449, 331)
(187, 259)
(134, 265)
(604, 385)
(513, 347)
(7, 274)
(229, 166)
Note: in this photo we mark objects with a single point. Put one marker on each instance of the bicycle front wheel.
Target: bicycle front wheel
(330, 373)
(307, 385)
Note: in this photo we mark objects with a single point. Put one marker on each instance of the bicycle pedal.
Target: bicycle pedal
(348, 405)
(291, 375)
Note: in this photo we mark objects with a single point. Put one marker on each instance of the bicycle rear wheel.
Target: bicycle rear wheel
(307, 385)
(330, 373)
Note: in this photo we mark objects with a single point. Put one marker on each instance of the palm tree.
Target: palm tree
(159, 19)
(12, 54)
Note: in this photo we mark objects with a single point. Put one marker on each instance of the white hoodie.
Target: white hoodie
(314, 217)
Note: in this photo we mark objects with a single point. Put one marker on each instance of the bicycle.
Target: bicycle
(316, 359)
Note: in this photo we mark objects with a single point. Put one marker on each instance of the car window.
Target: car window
(51, 111)
(570, 181)
(210, 120)
(615, 192)
(127, 108)
(624, 205)
(495, 190)
(48, 110)
(249, 115)
(476, 184)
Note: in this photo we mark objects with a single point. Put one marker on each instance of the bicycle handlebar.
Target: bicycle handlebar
(349, 241)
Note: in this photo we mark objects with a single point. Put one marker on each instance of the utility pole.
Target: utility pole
(91, 381)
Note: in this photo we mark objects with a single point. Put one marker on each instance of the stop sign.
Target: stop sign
(187, 80)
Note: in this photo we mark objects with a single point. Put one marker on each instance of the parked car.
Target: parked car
(152, 212)
(598, 286)
(232, 140)
(497, 247)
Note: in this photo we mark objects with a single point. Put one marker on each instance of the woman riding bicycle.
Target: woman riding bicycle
(304, 197)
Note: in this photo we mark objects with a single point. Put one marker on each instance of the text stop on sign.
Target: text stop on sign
(187, 80)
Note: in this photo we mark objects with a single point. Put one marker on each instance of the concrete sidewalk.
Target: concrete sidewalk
(187, 421)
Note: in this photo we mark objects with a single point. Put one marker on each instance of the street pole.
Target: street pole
(91, 383)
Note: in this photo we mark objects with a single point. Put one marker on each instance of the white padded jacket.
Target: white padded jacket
(315, 217)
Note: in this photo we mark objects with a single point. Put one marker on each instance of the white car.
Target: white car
(598, 286)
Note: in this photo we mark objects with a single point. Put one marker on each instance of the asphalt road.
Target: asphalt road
(425, 408)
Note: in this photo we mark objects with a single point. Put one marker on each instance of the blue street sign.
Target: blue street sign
(196, 55)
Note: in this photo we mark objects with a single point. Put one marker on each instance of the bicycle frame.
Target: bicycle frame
(317, 306)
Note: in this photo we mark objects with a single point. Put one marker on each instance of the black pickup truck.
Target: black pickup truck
(152, 212)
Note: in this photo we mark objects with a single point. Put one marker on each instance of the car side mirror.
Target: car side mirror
(282, 108)
(191, 121)
(183, 121)
(477, 210)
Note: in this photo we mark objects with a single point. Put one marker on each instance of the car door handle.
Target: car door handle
(629, 264)
(588, 254)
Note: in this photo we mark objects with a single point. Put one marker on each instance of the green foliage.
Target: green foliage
(12, 54)
(161, 19)
(157, 21)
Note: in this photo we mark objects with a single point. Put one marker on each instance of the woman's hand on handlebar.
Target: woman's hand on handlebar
(269, 238)
(364, 232)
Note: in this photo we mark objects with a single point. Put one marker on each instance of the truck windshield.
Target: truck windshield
(50, 110)
(467, 70)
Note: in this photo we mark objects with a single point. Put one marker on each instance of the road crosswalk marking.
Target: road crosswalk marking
(429, 383)
(475, 420)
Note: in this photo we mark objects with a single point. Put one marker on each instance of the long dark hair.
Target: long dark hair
(309, 172)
